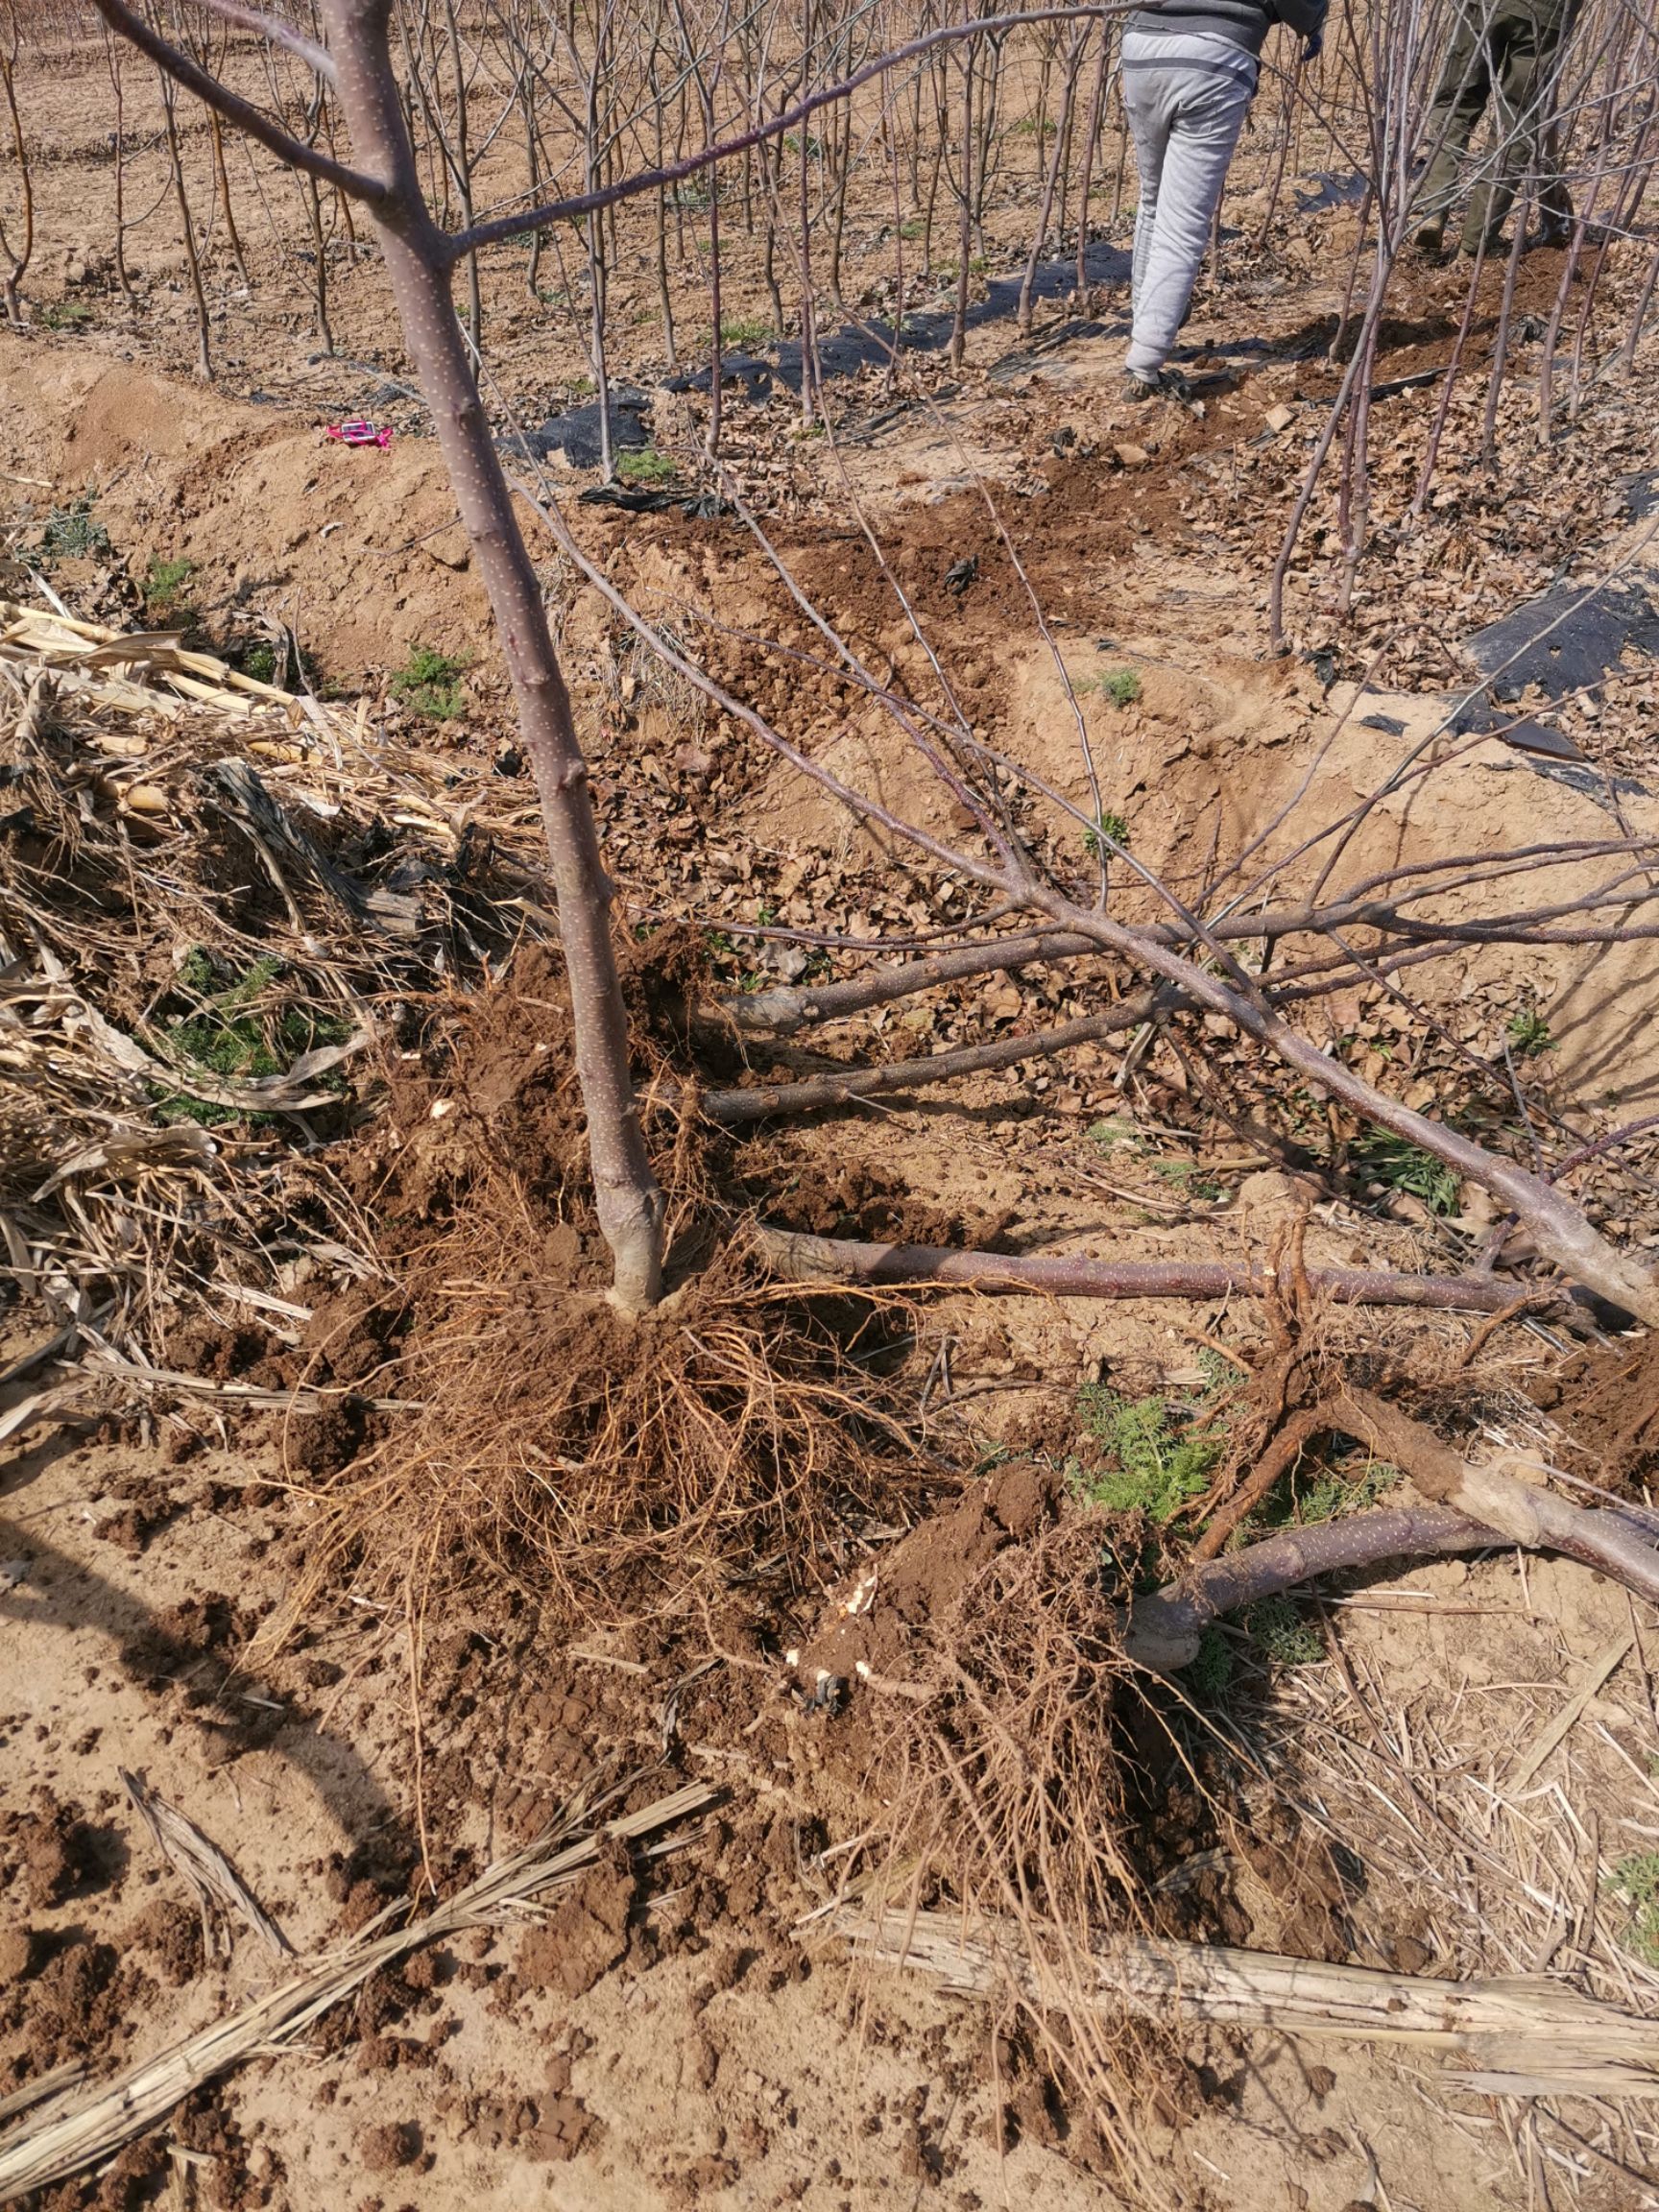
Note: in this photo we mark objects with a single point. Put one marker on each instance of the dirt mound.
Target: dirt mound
(362, 548)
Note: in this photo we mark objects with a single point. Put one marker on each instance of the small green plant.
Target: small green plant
(1333, 1492)
(1189, 1179)
(1528, 1032)
(1635, 1882)
(1122, 686)
(288, 665)
(1109, 830)
(1026, 127)
(430, 683)
(1398, 1165)
(1280, 1635)
(74, 533)
(913, 229)
(648, 466)
(1160, 1464)
(745, 332)
(164, 583)
(229, 1034)
(66, 315)
(1109, 1135)
(1210, 1673)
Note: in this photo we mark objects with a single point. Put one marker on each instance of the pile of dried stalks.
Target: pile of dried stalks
(212, 897)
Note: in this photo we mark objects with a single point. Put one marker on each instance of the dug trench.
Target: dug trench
(371, 1650)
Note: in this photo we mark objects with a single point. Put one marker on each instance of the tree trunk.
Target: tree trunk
(630, 1205)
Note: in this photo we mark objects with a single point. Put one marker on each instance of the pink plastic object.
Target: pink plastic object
(360, 433)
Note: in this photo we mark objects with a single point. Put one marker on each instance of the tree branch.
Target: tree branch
(277, 29)
(676, 172)
(1470, 1510)
(1522, 1511)
(1163, 1632)
(783, 1011)
(131, 26)
(844, 1260)
(734, 1108)
(1560, 1230)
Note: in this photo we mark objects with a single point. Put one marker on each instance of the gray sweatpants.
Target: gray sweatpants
(1186, 94)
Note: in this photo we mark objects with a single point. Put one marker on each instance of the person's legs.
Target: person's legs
(1150, 115)
(1460, 100)
(1527, 36)
(1209, 108)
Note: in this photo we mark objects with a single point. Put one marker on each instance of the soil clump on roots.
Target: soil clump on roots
(614, 1464)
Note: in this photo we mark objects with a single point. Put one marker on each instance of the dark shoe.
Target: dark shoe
(1431, 241)
(1136, 390)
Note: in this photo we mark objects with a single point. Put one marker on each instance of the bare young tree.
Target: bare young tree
(357, 65)
(16, 252)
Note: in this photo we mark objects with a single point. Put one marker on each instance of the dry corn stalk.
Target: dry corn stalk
(95, 2126)
(1520, 2037)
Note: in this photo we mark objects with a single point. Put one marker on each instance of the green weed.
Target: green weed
(286, 665)
(1109, 1135)
(914, 228)
(430, 683)
(1160, 1464)
(1122, 686)
(745, 332)
(1398, 1165)
(164, 583)
(1279, 1638)
(1210, 1673)
(74, 533)
(1280, 1634)
(66, 315)
(1635, 1882)
(1333, 1493)
(1189, 1178)
(648, 466)
(1529, 1031)
(1110, 830)
(230, 1036)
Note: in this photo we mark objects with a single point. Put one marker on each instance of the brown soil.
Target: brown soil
(369, 1654)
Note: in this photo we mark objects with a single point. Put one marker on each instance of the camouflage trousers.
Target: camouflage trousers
(1502, 54)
